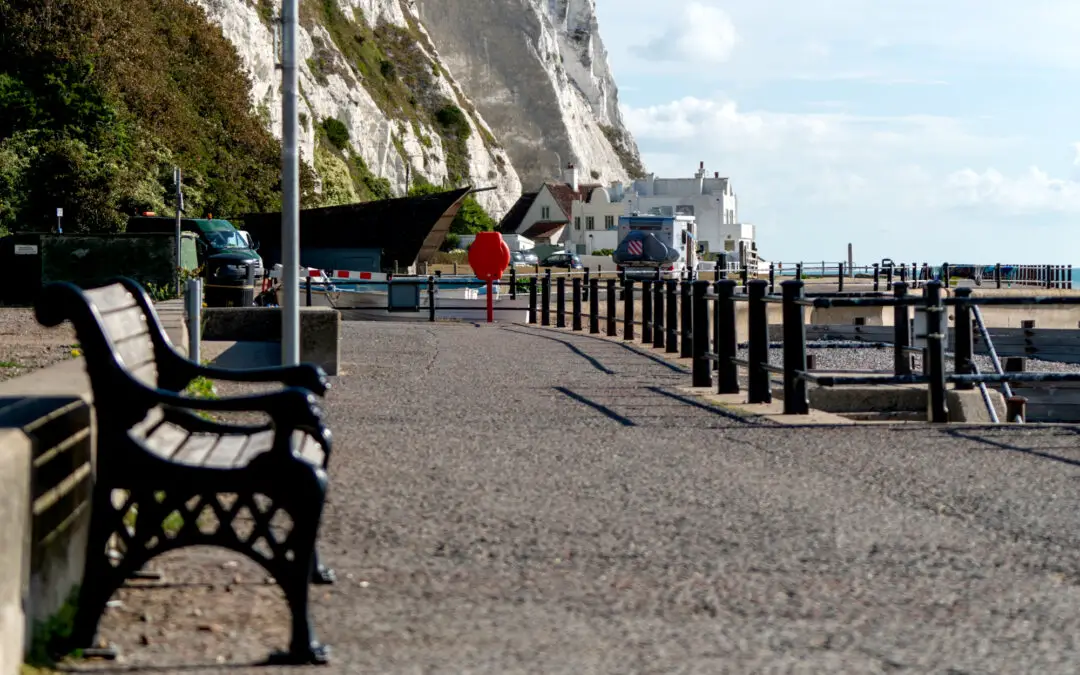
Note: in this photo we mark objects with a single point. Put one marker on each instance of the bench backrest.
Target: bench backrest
(125, 348)
(124, 323)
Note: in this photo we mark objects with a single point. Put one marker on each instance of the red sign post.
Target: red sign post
(489, 256)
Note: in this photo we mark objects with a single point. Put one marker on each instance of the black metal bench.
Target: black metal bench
(166, 478)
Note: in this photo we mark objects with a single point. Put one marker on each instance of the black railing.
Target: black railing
(697, 320)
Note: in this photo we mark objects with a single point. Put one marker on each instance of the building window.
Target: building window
(577, 222)
(545, 213)
(590, 223)
(609, 222)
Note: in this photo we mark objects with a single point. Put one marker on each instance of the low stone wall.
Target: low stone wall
(320, 330)
(47, 437)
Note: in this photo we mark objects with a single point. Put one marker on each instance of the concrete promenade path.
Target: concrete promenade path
(507, 499)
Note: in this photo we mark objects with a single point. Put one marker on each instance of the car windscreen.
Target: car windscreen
(225, 239)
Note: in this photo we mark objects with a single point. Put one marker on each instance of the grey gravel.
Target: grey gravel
(843, 355)
(512, 500)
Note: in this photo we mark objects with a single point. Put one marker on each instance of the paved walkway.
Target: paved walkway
(509, 500)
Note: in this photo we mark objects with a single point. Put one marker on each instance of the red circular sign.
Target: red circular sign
(489, 256)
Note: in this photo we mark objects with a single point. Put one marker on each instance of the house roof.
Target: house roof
(407, 229)
(565, 196)
(512, 220)
(544, 229)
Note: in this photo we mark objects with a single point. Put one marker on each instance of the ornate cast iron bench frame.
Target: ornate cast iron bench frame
(166, 478)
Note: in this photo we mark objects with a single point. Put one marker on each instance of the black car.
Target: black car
(570, 261)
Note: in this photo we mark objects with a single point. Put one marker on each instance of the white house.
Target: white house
(711, 201)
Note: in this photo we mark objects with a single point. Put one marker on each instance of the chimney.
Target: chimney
(715, 174)
(571, 176)
(700, 172)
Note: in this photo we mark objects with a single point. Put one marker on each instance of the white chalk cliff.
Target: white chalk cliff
(538, 72)
(535, 69)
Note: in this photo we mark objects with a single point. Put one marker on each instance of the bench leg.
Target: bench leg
(321, 574)
(93, 596)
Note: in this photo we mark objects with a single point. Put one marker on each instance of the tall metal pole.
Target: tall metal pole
(290, 188)
(178, 177)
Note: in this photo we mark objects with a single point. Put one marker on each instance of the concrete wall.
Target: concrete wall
(320, 330)
(47, 445)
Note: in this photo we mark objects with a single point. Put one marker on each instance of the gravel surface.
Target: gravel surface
(840, 355)
(511, 500)
(26, 345)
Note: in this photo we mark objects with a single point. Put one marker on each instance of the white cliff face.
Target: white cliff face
(333, 87)
(538, 72)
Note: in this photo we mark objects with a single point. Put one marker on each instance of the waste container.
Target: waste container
(230, 280)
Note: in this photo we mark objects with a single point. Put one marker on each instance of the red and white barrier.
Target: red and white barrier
(323, 276)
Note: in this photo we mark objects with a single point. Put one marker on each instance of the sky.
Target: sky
(917, 130)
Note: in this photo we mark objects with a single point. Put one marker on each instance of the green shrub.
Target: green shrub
(336, 133)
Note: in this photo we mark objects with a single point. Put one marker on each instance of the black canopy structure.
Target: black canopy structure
(406, 230)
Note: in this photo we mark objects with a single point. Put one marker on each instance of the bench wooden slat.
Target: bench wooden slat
(109, 299)
(166, 440)
(147, 374)
(308, 448)
(124, 323)
(228, 452)
(197, 447)
(135, 350)
(145, 427)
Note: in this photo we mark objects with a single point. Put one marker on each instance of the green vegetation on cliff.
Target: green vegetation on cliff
(100, 98)
(630, 161)
(389, 62)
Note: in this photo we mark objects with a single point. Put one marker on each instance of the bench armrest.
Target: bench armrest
(292, 407)
(304, 376)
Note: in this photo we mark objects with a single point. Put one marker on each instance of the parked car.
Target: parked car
(530, 258)
(519, 258)
(568, 260)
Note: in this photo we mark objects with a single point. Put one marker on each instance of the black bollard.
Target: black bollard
(935, 352)
(658, 315)
(901, 332)
(646, 311)
(759, 390)
(685, 321)
(577, 304)
(431, 301)
(702, 369)
(963, 350)
(594, 305)
(545, 300)
(610, 303)
(532, 300)
(672, 317)
(795, 398)
(560, 303)
(628, 309)
(726, 338)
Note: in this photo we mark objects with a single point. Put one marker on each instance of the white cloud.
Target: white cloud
(1033, 191)
(812, 180)
(779, 38)
(702, 34)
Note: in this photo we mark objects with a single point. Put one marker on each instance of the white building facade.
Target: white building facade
(711, 200)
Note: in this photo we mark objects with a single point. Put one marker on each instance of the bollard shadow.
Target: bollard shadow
(999, 445)
(593, 361)
(599, 407)
(715, 410)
